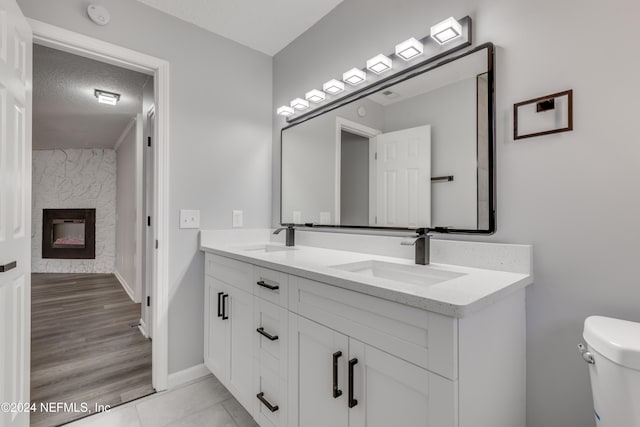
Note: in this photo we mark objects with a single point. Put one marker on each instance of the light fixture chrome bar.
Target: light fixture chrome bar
(432, 53)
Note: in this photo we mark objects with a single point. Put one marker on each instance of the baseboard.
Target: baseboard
(125, 286)
(143, 328)
(186, 375)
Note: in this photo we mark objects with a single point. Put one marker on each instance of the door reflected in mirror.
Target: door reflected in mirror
(417, 153)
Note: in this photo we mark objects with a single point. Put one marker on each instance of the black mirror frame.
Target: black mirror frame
(409, 73)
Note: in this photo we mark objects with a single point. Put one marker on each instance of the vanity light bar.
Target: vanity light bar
(409, 49)
(446, 31)
(315, 96)
(299, 104)
(285, 111)
(379, 64)
(354, 76)
(442, 33)
(333, 86)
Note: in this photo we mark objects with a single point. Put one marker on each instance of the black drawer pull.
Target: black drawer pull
(268, 286)
(8, 266)
(266, 403)
(336, 391)
(267, 335)
(220, 304)
(224, 306)
(352, 402)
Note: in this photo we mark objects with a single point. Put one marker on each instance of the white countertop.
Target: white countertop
(457, 297)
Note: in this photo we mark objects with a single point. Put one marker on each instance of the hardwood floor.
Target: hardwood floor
(83, 348)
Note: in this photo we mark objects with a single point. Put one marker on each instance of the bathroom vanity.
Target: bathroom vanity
(304, 336)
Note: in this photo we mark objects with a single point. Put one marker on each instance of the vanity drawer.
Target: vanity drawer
(229, 271)
(272, 391)
(426, 339)
(271, 285)
(273, 321)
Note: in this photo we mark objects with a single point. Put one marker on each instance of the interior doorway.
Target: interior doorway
(69, 41)
(89, 345)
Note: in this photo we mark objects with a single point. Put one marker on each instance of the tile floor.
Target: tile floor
(204, 402)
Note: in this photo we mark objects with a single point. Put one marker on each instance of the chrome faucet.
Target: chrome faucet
(290, 238)
(422, 244)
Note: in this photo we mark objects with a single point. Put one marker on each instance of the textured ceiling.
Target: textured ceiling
(66, 114)
(264, 25)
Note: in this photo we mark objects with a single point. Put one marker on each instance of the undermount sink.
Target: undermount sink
(422, 275)
(267, 248)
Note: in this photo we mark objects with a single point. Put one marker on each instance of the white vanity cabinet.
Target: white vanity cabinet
(297, 352)
(228, 325)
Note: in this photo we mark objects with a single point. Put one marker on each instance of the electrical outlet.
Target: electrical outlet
(237, 219)
(189, 218)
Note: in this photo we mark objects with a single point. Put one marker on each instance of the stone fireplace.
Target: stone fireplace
(69, 233)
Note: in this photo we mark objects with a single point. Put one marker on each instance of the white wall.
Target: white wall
(220, 136)
(128, 204)
(75, 179)
(573, 195)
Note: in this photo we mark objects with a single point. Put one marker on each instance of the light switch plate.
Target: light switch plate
(189, 218)
(237, 219)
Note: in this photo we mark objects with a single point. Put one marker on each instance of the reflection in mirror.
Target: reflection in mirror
(414, 154)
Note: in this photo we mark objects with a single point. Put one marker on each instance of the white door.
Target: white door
(216, 350)
(393, 392)
(15, 210)
(403, 178)
(149, 241)
(317, 397)
(238, 307)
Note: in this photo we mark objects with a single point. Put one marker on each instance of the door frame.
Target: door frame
(89, 47)
(358, 129)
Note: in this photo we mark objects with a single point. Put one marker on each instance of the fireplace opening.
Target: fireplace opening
(68, 233)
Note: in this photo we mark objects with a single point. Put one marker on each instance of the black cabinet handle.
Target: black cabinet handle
(219, 304)
(268, 286)
(265, 402)
(336, 392)
(224, 306)
(266, 334)
(8, 266)
(352, 402)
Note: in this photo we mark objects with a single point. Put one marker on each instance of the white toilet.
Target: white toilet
(613, 354)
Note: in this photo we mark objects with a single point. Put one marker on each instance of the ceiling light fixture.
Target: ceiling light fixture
(299, 104)
(379, 64)
(285, 111)
(354, 76)
(333, 86)
(409, 49)
(105, 97)
(315, 96)
(446, 31)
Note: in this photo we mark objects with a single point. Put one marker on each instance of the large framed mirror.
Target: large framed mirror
(415, 151)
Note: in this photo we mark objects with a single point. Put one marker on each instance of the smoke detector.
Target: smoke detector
(98, 14)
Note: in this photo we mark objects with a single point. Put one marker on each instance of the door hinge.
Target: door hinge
(156, 244)
(148, 141)
(148, 301)
(376, 219)
(375, 156)
(148, 221)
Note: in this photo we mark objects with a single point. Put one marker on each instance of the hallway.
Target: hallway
(83, 348)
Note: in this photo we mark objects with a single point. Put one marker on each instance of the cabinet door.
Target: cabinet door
(311, 377)
(216, 348)
(239, 310)
(392, 392)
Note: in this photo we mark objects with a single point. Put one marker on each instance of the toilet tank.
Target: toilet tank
(615, 375)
